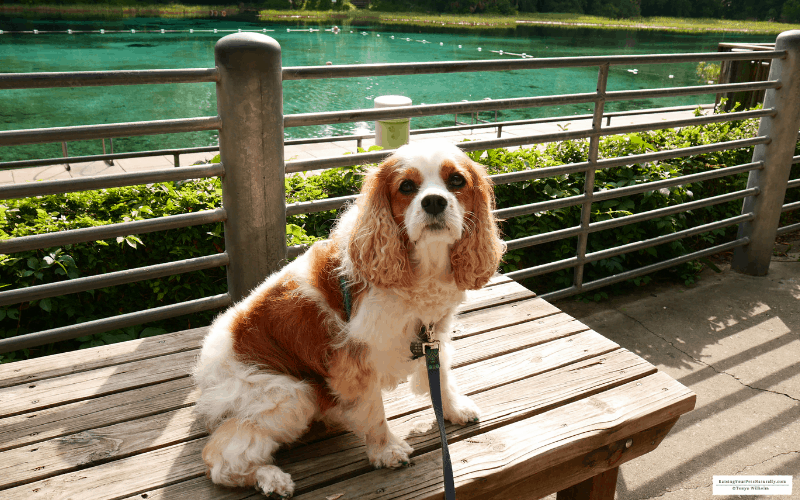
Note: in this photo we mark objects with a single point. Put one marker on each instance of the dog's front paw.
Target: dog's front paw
(393, 455)
(461, 410)
(272, 481)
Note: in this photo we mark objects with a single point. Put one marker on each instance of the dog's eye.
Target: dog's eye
(456, 181)
(407, 187)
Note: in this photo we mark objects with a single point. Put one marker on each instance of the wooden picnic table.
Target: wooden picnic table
(562, 406)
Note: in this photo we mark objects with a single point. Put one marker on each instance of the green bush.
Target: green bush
(76, 210)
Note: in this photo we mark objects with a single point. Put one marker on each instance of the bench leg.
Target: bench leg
(599, 487)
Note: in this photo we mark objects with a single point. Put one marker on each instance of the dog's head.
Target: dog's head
(424, 195)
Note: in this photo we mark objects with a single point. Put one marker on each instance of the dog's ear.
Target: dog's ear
(475, 257)
(378, 248)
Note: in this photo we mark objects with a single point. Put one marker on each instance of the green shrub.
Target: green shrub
(76, 210)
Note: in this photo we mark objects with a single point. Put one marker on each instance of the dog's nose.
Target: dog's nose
(434, 204)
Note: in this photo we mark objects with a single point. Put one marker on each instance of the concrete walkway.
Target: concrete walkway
(319, 150)
(735, 341)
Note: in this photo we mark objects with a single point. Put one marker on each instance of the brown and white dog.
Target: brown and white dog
(420, 234)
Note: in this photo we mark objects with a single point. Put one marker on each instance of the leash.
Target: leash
(424, 345)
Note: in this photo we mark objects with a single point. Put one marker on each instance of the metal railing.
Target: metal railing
(253, 199)
(358, 138)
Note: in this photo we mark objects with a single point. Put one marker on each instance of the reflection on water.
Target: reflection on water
(355, 45)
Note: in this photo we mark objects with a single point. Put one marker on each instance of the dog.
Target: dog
(321, 338)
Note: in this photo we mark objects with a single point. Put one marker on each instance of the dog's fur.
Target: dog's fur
(286, 355)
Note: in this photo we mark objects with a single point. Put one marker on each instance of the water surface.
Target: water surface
(120, 49)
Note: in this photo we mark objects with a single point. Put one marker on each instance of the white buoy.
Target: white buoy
(264, 30)
(215, 30)
(672, 76)
(500, 52)
(162, 30)
(191, 31)
(441, 44)
(459, 46)
(379, 35)
(240, 30)
(69, 32)
(479, 49)
(102, 32)
(288, 30)
(133, 31)
(35, 32)
(1, 32)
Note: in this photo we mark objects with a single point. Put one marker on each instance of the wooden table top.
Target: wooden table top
(560, 402)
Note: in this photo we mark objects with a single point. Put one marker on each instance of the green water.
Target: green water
(23, 109)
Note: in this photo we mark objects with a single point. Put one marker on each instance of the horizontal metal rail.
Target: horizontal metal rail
(113, 323)
(667, 238)
(635, 273)
(307, 207)
(84, 132)
(608, 194)
(49, 240)
(103, 78)
(663, 212)
(113, 156)
(373, 157)
(538, 239)
(793, 184)
(790, 207)
(496, 124)
(541, 206)
(295, 251)
(112, 279)
(355, 115)
(569, 168)
(109, 181)
(788, 229)
(689, 122)
(404, 69)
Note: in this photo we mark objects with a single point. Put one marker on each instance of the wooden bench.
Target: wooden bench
(563, 407)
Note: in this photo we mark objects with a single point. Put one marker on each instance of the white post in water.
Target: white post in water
(391, 134)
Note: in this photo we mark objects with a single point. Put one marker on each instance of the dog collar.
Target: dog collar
(424, 339)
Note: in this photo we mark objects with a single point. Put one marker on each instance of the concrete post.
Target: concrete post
(250, 104)
(754, 258)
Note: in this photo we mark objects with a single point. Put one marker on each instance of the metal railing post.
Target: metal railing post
(754, 258)
(250, 104)
(588, 188)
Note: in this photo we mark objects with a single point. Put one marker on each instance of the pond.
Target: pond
(120, 48)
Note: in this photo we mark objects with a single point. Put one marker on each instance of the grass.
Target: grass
(482, 21)
(562, 20)
(120, 11)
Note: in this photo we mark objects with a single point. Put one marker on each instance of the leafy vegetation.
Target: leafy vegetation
(76, 210)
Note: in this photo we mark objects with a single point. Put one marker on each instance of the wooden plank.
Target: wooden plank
(344, 455)
(89, 359)
(120, 478)
(498, 279)
(584, 467)
(75, 417)
(515, 337)
(507, 368)
(483, 320)
(499, 457)
(124, 352)
(495, 295)
(95, 446)
(45, 459)
(25, 429)
(78, 386)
